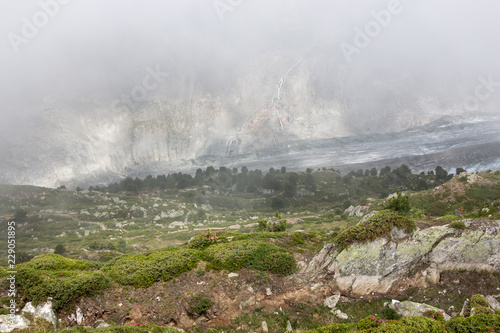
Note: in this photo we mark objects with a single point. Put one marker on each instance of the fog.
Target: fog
(97, 50)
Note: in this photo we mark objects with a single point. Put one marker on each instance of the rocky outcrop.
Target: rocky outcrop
(401, 261)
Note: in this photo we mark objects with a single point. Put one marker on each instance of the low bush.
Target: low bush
(433, 314)
(476, 324)
(199, 304)
(199, 242)
(459, 225)
(478, 300)
(332, 328)
(63, 286)
(144, 270)
(50, 261)
(250, 254)
(390, 314)
(369, 323)
(376, 226)
(412, 325)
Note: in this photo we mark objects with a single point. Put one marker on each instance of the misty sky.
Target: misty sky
(103, 46)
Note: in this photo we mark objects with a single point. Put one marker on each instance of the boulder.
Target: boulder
(413, 309)
(9, 323)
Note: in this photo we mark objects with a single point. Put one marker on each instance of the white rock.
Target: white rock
(102, 325)
(264, 327)
(9, 323)
(43, 311)
(232, 275)
(268, 292)
(341, 315)
(289, 326)
(79, 316)
(332, 301)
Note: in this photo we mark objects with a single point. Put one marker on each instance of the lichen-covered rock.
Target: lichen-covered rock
(413, 309)
(386, 262)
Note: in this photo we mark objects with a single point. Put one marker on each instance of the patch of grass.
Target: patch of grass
(250, 254)
(144, 270)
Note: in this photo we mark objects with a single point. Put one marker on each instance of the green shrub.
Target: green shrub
(390, 314)
(433, 314)
(369, 322)
(476, 324)
(280, 263)
(199, 242)
(250, 254)
(482, 310)
(63, 286)
(401, 203)
(144, 270)
(332, 328)
(272, 226)
(412, 325)
(376, 226)
(199, 304)
(49, 261)
(478, 300)
(459, 225)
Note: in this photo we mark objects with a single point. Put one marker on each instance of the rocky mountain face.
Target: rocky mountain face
(271, 104)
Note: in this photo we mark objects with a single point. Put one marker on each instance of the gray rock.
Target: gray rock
(289, 326)
(264, 327)
(413, 309)
(332, 301)
(102, 325)
(493, 303)
(9, 323)
(340, 314)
